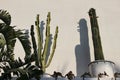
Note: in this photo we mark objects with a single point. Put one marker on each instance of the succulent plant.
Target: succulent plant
(41, 49)
(98, 52)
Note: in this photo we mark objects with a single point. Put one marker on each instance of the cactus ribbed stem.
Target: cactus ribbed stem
(46, 41)
(34, 46)
(53, 47)
(39, 39)
(96, 35)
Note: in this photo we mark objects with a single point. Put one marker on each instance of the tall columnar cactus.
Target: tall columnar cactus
(98, 52)
(41, 53)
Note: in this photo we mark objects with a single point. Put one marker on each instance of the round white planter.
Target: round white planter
(102, 68)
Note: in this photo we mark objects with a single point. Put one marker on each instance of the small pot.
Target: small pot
(102, 68)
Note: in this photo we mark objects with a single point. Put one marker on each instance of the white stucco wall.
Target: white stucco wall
(74, 46)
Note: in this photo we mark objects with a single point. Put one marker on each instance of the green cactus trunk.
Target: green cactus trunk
(98, 52)
(34, 46)
(39, 39)
(43, 48)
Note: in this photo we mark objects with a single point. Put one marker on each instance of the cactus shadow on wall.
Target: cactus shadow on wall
(42, 23)
(82, 50)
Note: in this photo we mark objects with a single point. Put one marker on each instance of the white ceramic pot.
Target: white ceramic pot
(102, 68)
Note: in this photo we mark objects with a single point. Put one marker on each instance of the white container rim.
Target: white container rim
(96, 61)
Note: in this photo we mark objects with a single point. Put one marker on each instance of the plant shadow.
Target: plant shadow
(82, 50)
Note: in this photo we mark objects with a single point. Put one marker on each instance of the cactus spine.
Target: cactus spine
(41, 53)
(98, 52)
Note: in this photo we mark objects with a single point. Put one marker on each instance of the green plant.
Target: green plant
(42, 51)
(96, 35)
(8, 37)
(23, 73)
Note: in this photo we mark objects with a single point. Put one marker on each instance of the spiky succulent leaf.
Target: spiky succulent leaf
(9, 34)
(5, 17)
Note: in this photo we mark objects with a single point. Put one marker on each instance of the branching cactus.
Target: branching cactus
(42, 50)
(98, 52)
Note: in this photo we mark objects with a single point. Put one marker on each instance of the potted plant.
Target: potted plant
(100, 67)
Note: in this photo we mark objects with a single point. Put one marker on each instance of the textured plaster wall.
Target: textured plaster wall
(74, 46)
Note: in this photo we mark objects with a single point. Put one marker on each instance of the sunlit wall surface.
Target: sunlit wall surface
(74, 46)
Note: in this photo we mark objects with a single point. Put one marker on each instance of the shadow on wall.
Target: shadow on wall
(82, 50)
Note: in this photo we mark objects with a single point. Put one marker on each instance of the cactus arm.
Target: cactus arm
(95, 35)
(39, 40)
(45, 52)
(47, 34)
(34, 46)
(46, 41)
(53, 48)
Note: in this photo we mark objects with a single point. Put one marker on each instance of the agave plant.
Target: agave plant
(8, 37)
(23, 73)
